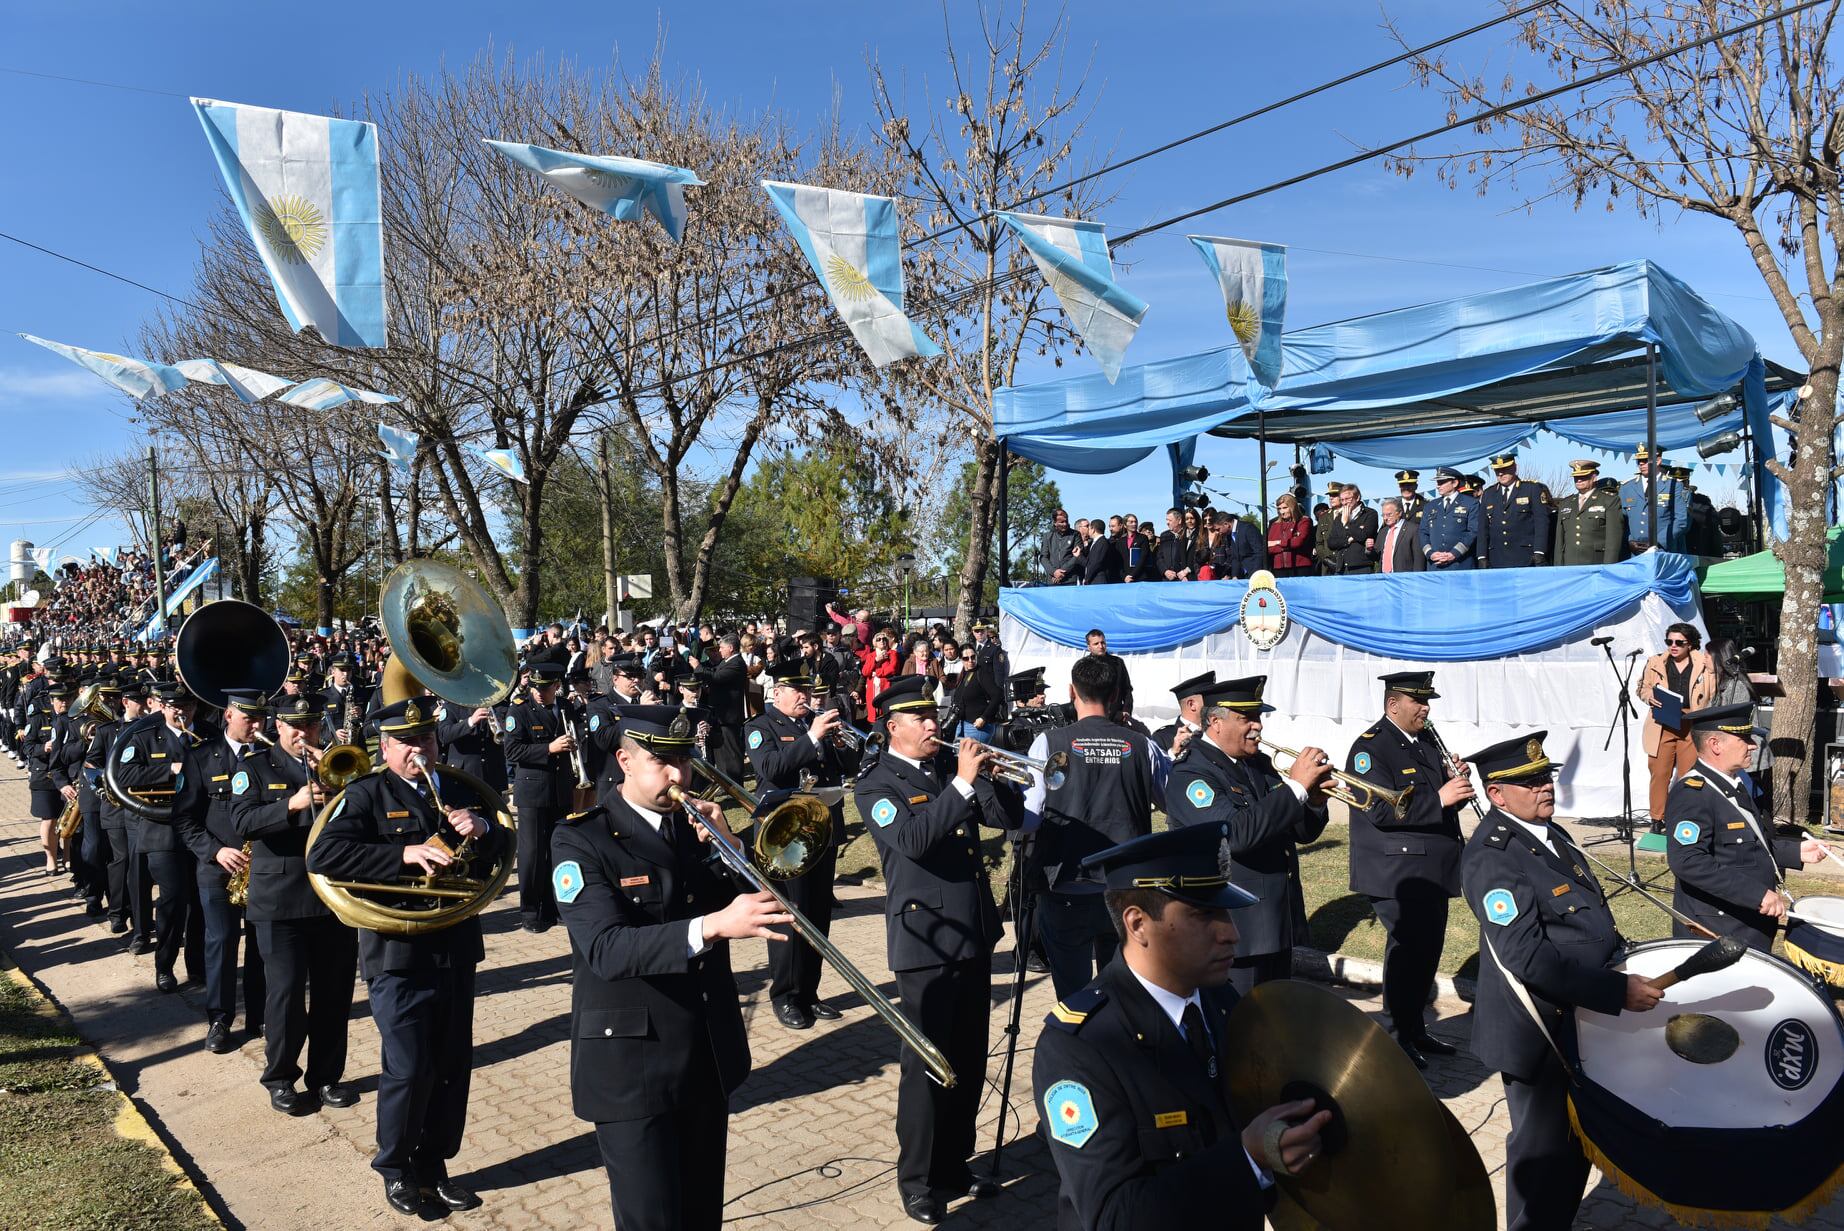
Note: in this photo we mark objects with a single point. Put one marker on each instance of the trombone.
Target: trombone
(1356, 792)
(1020, 770)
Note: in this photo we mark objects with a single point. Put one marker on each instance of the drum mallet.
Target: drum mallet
(1719, 954)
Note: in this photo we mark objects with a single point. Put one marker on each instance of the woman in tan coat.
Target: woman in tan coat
(1686, 670)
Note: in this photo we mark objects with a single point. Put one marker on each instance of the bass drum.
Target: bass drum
(1725, 1104)
(1815, 940)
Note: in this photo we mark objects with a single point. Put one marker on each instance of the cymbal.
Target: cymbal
(1392, 1155)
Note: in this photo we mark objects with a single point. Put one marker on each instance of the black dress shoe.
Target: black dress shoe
(454, 1196)
(1036, 964)
(336, 1095)
(404, 1196)
(218, 1039)
(290, 1102)
(140, 948)
(93, 907)
(923, 1208)
(793, 1016)
(1413, 1052)
(1431, 1046)
(164, 980)
(117, 926)
(823, 1011)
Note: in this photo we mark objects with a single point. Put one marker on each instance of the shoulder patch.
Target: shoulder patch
(567, 880)
(1200, 794)
(1361, 763)
(1069, 1110)
(1500, 906)
(574, 817)
(1693, 782)
(1687, 833)
(1070, 1012)
(595, 723)
(127, 753)
(755, 738)
(883, 811)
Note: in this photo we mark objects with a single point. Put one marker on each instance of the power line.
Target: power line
(107, 85)
(107, 273)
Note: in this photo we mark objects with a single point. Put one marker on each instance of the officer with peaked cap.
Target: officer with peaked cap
(1450, 524)
(1408, 482)
(538, 742)
(1190, 697)
(1590, 526)
(1516, 518)
(1673, 513)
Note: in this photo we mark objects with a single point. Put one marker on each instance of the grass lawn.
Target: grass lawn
(62, 1165)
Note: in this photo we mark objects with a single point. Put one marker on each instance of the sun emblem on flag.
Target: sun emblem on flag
(847, 283)
(1244, 322)
(294, 227)
(608, 182)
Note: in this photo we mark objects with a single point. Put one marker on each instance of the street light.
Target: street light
(905, 566)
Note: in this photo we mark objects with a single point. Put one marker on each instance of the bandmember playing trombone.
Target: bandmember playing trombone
(1228, 778)
(1407, 860)
(540, 753)
(657, 1038)
(152, 757)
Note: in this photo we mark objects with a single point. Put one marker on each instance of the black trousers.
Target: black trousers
(1416, 924)
(727, 749)
(794, 967)
(935, 1126)
(140, 884)
(1248, 973)
(426, 1032)
(1545, 1169)
(308, 966)
(537, 900)
(90, 873)
(1078, 938)
(112, 853)
(666, 1172)
(224, 924)
(178, 922)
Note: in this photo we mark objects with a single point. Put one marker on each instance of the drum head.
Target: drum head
(1826, 914)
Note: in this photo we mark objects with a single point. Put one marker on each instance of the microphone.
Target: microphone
(1601, 641)
(1635, 653)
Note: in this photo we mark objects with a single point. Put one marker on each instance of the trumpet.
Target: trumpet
(1018, 769)
(1356, 792)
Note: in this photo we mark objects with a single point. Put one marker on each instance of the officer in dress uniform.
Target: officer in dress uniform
(1225, 779)
(113, 819)
(1723, 852)
(391, 824)
(1516, 516)
(1127, 1071)
(470, 741)
(1190, 696)
(90, 859)
(657, 1044)
(150, 761)
(307, 666)
(1408, 482)
(538, 745)
(1543, 924)
(1673, 514)
(209, 831)
(1450, 525)
(309, 957)
(343, 699)
(1408, 865)
(787, 742)
(602, 727)
(940, 925)
(1590, 526)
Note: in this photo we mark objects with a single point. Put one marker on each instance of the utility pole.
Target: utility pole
(153, 523)
(605, 491)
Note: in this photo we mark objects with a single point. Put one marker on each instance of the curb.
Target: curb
(1325, 967)
(130, 1123)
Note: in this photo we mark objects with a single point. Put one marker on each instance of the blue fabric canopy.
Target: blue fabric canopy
(1423, 617)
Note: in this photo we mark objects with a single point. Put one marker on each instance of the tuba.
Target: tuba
(449, 637)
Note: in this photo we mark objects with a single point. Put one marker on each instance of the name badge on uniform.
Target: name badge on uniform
(1559, 890)
(630, 882)
(1171, 1119)
(396, 816)
(1738, 824)
(919, 799)
(788, 739)
(1523, 499)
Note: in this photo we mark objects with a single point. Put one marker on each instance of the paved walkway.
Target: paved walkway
(811, 1138)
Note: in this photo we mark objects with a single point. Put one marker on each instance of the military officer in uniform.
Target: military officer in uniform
(1225, 779)
(1408, 482)
(1722, 851)
(538, 745)
(1516, 514)
(1544, 925)
(1127, 1071)
(602, 727)
(309, 957)
(124, 902)
(391, 824)
(344, 701)
(940, 925)
(1673, 514)
(151, 758)
(1450, 529)
(788, 742)
(657, 1044)
(1408, 865)
(1189, 723)
(1590, 526)
(470, 741)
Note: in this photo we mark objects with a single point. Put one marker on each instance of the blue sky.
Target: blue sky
(122, 178)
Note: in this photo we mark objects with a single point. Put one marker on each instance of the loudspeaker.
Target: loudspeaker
(807, 599)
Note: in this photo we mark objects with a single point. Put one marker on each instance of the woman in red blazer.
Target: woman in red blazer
(1290, 539)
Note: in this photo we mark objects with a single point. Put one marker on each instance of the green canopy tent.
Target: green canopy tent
(1762, 576)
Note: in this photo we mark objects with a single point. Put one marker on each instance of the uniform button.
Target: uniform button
(689, 899)
(637, 901)
(607, 1031)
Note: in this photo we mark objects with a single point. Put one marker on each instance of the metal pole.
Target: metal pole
(1652, 444)
(1751, 455)
(1005, 546)
(153, 523)
(1261, 471)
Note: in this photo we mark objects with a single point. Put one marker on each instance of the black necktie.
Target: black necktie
(1197, 1035)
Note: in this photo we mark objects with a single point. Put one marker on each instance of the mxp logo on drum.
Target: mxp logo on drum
(1792, 1054)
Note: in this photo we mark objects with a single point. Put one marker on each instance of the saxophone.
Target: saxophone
(237, 888)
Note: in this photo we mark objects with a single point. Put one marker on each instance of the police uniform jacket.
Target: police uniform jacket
(1724, 856)
(1545, 919)
(1590, 531)
(1673, 512)
(146, 753)
(470, 748)
(364, 839)
(210, 825)
(1517, 517)
(938, 905)
(56, 769)
(540, 778)
(1450, 524)
(102, 741)
(642, 1005)
(1422, 849)
(1266, 821)
(345, 707)
(601, 739)
(1412, 506)
(780, 749)
(260, 789)
(729, 682)
(1138, 1127)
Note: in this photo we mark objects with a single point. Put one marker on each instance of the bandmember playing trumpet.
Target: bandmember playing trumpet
(1227, 779)
(657, 1044)
(309, 957)
(154, 756)
(940, 925)
(392, 824)
(538, 746)
(786, 742)
(1408, 862)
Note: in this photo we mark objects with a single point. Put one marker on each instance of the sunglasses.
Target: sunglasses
(1676, 641)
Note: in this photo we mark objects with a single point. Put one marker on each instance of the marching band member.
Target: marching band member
(538, 745)
(1190, 697)
(155, 756)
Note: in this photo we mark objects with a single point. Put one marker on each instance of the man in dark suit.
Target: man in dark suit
(1397, 548)
(729, 685)
(1101, 560)
(1172, 557)
(1240, 551)
(1408, 482)
(657, 1040)
(1351, 534)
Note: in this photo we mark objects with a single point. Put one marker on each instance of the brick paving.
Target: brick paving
(811, 1136)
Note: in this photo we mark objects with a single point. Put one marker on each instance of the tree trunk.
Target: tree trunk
(605, 497)
(530, 556)
(979, 540)
(720, 506)
(252, 562)
(672, 535)
(390, 542)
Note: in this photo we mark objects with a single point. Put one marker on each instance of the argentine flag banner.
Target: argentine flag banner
(248, 384)
(1253, 277)
(135, 377)
(622, 188)
(1073, 257)
(322, 393)
(506, 461)
(399, 447)
(306, 187)
(850, 240)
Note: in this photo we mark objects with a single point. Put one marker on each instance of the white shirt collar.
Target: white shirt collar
(1717, 774)
(648, 815)
(891, 752)
(1172, 1004)
(1399, 730)
(1539, 831)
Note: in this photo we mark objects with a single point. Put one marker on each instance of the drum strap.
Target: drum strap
(1754, 827)
(1522, 994)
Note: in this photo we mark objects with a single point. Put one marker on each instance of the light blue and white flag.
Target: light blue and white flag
(108, 555)
(399, 447)
(850, 240)
(622, 188)
(135, 377)
(41, 556)
(1073, 257)
(248, 384)
(1253, 277)
(306, 187)
(322, 393)
(506, 461)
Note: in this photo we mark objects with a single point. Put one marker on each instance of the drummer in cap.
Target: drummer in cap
(1544, 927)
(1128, 1071)
(1722, 850)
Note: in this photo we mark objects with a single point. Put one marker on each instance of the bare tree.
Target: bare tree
(1746, 130)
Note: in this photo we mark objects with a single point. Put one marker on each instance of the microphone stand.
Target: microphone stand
(1024, 919)
(1624, 828)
